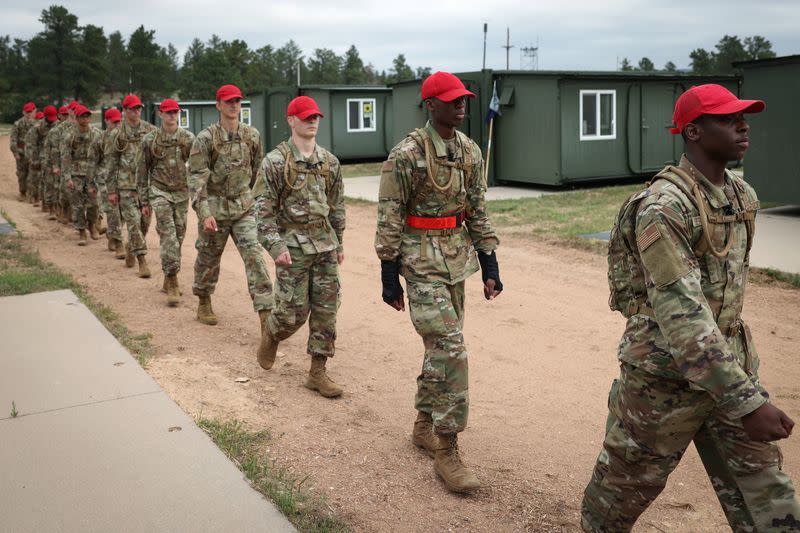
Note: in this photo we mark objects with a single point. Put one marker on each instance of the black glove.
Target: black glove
(490, 270)
(390, 279)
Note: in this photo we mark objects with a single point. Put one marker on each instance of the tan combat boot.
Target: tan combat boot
(61, 216)
(81, 237)
(112, 246)
(423, 436)
(448, 466)
(45, 208)
(144, 270)
(268, 348)
(119, 249)
(318, 379)
(52, 211)
(93, 233)
(130, 259)
(102, 229)
(173, 296)
(204, 312)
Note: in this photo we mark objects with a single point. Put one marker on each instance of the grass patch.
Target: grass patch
(246, 448)
(358, 201)
(563, 216)
(5, 216)
(23, 271)
(357, 170)
(770, 276)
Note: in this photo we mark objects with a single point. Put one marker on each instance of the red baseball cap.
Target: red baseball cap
(303, 107)
(51, 113)
(131, 101)
(168, 104)
(444, 86)
(710, 99)
(63, 110)
(228, 92)
(39, 115)
(72, 105)
(27, 108)
(113, 115)
(81, 110)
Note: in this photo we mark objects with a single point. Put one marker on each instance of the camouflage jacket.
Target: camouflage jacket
(405, 189)
(163, 164)
(34, 142)
(222, 168)
(18, 132)
(80, 154)
(54, 138)
(696, 333)
(304, 210)
(121, 155)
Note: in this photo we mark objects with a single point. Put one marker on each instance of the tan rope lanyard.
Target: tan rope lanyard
(122, 140)
(704, 219)
(78, 138)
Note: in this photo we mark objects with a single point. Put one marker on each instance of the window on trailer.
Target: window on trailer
(360, 114)
(598, 112)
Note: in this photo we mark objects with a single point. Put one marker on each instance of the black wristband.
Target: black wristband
(490, 269)
(390, 280)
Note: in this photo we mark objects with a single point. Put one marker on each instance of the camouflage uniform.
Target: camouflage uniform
(121, 157)
(57, 135)
(222, 168)
(689, 370)
(17, 145)
(435, 263)
(113, 219)
(79, 156)
(164, 186)
(303, 213)
(34, 151)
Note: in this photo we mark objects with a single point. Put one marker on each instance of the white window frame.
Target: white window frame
(360, 126)
(184, 113)
(597, 92)
(249, 115)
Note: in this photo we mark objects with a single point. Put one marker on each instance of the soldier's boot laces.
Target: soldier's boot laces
(119, 248)
(173, 295)
(204, 312)
(268, 348)
(93, 232)
(130, 259)
(423, 436)
(319, 381)
(81, 237)
(144, 270)
(448, 465)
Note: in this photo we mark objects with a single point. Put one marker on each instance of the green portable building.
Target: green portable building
(772, 164)
(196, 115)
(562, 127)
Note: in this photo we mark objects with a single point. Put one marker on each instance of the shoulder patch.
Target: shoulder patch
(650, 235)
(388, 166)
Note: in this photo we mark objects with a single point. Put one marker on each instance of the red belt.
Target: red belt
(435, 222)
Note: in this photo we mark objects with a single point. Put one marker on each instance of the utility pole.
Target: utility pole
(508, 48)
(298, 73)
(485, 29)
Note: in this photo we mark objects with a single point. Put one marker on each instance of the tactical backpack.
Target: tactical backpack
(625, 275)
(291, 173)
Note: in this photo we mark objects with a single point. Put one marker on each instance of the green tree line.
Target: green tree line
(67, 60)
(727, 51)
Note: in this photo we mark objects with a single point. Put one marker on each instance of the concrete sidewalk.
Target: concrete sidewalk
(366, 188)
(97, 444)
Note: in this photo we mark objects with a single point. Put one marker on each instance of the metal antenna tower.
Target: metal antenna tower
(529, 57)
(508, 48)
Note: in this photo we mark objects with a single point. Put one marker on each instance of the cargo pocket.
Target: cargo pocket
(425, 310)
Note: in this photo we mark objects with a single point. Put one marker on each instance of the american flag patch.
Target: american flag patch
(650, 235)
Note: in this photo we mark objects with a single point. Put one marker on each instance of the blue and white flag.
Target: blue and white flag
(494, 104)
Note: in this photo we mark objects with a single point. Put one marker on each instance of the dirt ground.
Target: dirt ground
(542, 357)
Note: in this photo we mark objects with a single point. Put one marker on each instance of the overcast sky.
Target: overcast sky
(446, 34)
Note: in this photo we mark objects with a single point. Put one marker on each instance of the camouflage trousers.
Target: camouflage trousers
(308, 289)
(49, 187)
(130, 210)
(651, 422)
(84, 205)
(171, 228)
(22, 175)
(63, 193)
(34, 181)
(112, 214)
(209, 252)
(437, 312)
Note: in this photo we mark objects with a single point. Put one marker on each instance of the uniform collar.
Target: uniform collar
(437, 141)
(716, 196)
(316, 155)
